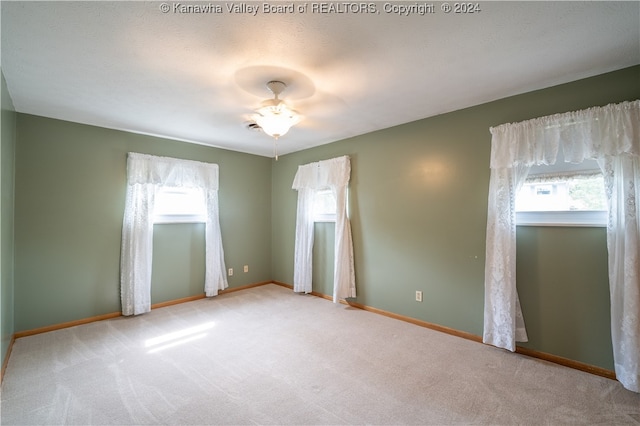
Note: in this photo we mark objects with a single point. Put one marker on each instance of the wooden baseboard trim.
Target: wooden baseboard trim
(177, 301)
(281, 284)
(244, 287)
(421, 323)
(68, 324)
(6, 358)
(577, 365)
(202, 296)
(566, 362)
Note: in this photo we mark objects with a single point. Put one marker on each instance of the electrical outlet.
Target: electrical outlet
(246, 268)
(418, 296)
(230, 272)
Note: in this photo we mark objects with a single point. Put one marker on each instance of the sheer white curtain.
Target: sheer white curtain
(146, 174)
(310, 178)
(503, 320)
(610, 134)
(622, 186)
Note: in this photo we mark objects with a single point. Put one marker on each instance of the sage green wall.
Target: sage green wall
(418, 206)
(70, 192)
(7, 149)
(563, 283)
(323, 257)
(178, 261)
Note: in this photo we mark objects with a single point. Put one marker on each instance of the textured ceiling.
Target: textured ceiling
(198, 76)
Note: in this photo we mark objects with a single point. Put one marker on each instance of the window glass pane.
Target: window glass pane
(324, 206)
(179, 205)
(562, 193)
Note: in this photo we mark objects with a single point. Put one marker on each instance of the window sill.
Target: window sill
(165, 219)
(562, 218)
(324, 218)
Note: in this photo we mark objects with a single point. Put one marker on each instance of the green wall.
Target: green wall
(563, 284)
(323, 257)
(181, 246)
(7, 149)
(418, 206)
(70, 192)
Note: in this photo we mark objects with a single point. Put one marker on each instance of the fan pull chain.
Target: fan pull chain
(275, 148)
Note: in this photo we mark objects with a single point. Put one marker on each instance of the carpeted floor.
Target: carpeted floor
(268, 356)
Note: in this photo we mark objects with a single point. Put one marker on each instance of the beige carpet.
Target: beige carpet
(268, 356)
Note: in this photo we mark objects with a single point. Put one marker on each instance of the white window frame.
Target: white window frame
(592, 218)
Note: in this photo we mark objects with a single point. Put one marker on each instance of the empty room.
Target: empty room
(319, 213)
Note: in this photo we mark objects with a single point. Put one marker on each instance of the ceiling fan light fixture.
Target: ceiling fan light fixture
(276, 119)
(274, 116)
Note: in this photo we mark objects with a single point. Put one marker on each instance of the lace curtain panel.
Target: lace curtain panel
(503, 320)
(146, 174)
(611, 135)
(622, 180)
(332, 174)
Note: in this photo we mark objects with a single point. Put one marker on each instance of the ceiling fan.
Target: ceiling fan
(275, 117)
(298, 90)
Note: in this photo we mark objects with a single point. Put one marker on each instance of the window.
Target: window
(324, 206)
(179, 205)
(563, 195)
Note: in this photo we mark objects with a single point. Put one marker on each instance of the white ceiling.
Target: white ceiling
(198, 76)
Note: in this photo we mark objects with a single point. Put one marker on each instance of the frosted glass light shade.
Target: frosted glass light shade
(276, 118)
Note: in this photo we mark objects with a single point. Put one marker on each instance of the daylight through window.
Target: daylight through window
(574, 198)
(179, 205)
(324, 207)
(562, 193)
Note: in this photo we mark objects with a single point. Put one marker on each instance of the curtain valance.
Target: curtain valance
(150, 169)
(322, 174)
(587, 134)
